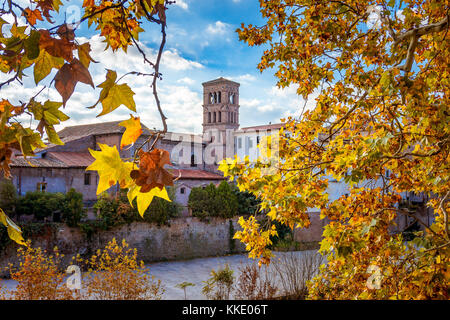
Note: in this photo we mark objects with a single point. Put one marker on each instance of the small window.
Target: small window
(209, 117)
(87, 179)
(220, 116)
(193, 164)
(41, 186)
(239, 143)
(257, 139)
(182, 190)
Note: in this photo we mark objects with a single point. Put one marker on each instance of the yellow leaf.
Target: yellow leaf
(14, 231)
(143, 200)
(111, 169)
(132, 132)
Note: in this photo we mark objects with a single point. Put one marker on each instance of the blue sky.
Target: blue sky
(201, 45)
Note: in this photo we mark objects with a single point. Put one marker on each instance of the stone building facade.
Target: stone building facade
(195, 157)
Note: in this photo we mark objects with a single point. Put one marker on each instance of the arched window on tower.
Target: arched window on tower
(232, 98)
(220, 97)
(209, 117)
(220, 116)
(210, 101)
(215, 97)
(214, 117)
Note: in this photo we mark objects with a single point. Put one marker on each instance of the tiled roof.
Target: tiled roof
(83, 159)
(275, 126)
(77, 132)
(37, 162)
(195, 174)
(72, 159)
(93, 129)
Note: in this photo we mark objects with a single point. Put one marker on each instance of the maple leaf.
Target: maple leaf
(110, 167)
(14, 231)
(83, 54)
(114, 95)
(118, 95)
(44, 65)
(32, 15)
(66, 32)
(143, 199)
(56, 47)
(47, 6)
(68, 76)
(132, 132)
(151, 173)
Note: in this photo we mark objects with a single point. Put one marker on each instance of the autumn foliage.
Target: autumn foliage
(38, 276)
(380, 126)
(115, 273)
(32, 43)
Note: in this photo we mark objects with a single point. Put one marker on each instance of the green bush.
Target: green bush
(41, 204)
(106, 208)
(115, 211)
(225, 201)
(8, 197)
(247, 202)
(73, 211)
(161, 211)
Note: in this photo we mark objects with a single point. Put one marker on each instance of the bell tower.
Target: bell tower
(220, 114)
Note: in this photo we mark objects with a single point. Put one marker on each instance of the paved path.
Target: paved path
(195, 271)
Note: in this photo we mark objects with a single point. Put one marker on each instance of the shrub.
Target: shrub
(38, 276)
(41, 204)
(215, 202)
(115, 211)
(8, 197)
(106, 207)
(161, 211)
(252, 285)
(115, 274)
(73, 210)
(220, 285)
(247, 202)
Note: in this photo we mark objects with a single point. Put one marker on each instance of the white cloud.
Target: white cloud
(283, 92)
(133, 60)
(172, 60)
(245, 78)
(218, 28)
(186, 80)
(182, 4)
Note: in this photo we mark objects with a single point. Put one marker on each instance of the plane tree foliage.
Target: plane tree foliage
(378, 74)
(33, 43)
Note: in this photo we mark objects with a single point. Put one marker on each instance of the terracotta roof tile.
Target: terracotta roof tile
(72, 159)
(37, 162)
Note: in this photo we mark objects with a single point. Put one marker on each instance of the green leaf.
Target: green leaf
(44, 64)
(118, 95)
(32, 45)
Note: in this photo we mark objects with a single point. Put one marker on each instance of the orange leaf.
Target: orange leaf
(68, 76)
(132, 132)
(32, 15)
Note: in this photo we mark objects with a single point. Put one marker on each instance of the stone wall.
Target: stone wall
(185, 238)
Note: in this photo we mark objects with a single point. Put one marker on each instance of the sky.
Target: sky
(202, 45)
